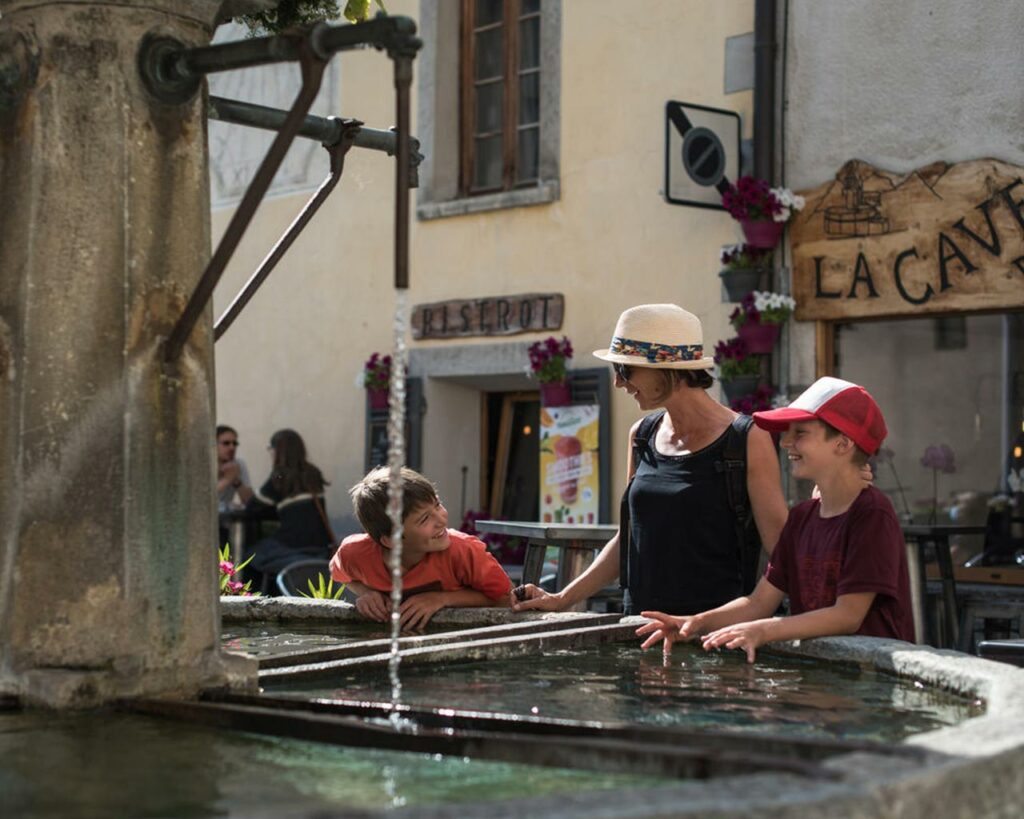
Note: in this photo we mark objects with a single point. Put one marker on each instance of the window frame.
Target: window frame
(511, 78)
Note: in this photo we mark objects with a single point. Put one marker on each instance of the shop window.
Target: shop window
(488, 118)
(952, 392)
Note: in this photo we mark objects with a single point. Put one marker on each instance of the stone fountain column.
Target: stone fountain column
(107, 509)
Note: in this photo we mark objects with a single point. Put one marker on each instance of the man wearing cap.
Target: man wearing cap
(840, 557)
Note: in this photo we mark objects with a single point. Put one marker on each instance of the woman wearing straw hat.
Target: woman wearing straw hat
(703, 482)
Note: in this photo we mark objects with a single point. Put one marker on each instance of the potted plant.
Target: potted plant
(759, 319)
(743, 266)
(376, 378)
(761, 210)
(758, 400)
(547, 365)
(738, 369)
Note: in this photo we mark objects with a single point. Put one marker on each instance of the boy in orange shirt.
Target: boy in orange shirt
(440, 566)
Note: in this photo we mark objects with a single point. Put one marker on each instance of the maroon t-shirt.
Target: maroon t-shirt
(817, 559)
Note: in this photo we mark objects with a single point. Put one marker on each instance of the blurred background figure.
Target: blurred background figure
(295, 491)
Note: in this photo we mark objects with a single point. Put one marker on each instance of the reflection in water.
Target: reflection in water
(103, 764)
(693, 690)
(267, 639)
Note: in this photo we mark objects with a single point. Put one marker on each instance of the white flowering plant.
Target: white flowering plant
(762, 307)
(755, 199)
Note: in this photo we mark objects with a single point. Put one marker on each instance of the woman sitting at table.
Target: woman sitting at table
(295, 490)
(704, 489)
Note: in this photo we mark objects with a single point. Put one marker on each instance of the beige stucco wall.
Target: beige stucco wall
(610, 242)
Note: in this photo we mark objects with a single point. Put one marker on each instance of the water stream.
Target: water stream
(396, 460)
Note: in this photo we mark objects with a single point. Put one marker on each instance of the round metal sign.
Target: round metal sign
(703, 156)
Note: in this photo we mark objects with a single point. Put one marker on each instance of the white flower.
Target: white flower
(1015, 480)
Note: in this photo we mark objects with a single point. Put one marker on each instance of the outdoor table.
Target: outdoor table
(576, 544)
(917, 537)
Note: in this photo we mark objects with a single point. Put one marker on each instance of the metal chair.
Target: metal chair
(293, 580)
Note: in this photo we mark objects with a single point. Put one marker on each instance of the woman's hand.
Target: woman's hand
(667, 628)
(374, 605)
(534, 598)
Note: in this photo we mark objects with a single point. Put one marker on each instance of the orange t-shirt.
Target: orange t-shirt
(465, 564)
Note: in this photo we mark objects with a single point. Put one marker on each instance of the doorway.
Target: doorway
(510, 446)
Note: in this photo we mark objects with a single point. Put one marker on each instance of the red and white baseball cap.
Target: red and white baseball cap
(845, 406)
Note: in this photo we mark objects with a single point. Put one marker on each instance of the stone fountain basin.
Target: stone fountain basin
(967, 770)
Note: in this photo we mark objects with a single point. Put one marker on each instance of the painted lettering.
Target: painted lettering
(898, 278)
(504, 308)
(1019, 262)
(427, 320)
(993, 246)
(1016, 206)
(525, 313)
(946, 256)
(444, 319)
(862, 273)
(818, 292)
(466, 312)
(544, 314)
(485, 324)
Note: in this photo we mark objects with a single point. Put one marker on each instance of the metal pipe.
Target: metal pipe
(312, 74)
(382, 32)
(403, 82)
(326, 130)
(764, 90)
(337, 153)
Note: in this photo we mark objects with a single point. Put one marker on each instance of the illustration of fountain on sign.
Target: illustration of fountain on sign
(558, 712)
(859, 215)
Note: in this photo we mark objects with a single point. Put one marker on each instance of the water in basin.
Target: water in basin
(116, 765)
(694, 690)
(274, 639)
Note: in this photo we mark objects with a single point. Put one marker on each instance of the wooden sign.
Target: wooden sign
(944, 238)
(494, 316)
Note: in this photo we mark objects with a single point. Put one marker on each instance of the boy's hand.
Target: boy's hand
(415, 613)
(667, 628)
(534, 598)
(866, 475)
(374, 605)
(748, 636)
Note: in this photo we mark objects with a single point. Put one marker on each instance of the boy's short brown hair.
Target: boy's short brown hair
(370, 499)
(860, 457)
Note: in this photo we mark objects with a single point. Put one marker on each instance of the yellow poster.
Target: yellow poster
(568, 464)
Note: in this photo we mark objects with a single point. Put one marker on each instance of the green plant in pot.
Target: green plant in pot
(743, 266)
(738, 369)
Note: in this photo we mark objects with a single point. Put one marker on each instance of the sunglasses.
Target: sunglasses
(623, 371)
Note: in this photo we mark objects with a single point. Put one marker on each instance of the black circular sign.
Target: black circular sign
(703, 156)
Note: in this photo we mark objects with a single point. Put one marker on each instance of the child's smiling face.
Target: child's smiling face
(426, 528)
(811, 454)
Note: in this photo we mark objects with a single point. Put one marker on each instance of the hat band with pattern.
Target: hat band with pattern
(654, 352)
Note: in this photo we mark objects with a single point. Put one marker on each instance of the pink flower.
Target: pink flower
(227, 567)
(235, 586)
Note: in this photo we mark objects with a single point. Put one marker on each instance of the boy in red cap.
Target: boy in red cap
(440, 566)
(840, 557)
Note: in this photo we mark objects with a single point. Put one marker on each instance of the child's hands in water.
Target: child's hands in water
(374, 605)
(415, 613)
(747, 636)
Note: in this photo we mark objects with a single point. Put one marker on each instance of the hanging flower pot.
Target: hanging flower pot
(555, 394)
(739, 386)
(739, 283)
(762, 233)
(759, 338)
(378, 397)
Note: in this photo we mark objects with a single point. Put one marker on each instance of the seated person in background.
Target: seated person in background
(440, 566)
(232, 474)
(840, 557)
(295, 489)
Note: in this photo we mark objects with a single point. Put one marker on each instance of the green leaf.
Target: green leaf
(312, 588)
(244, 563)
(357, 11)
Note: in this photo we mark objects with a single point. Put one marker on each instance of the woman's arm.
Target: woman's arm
(764, 486)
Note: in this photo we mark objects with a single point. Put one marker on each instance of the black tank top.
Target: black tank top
(684, 555)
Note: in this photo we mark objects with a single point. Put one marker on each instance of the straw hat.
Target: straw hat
(664, 336)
